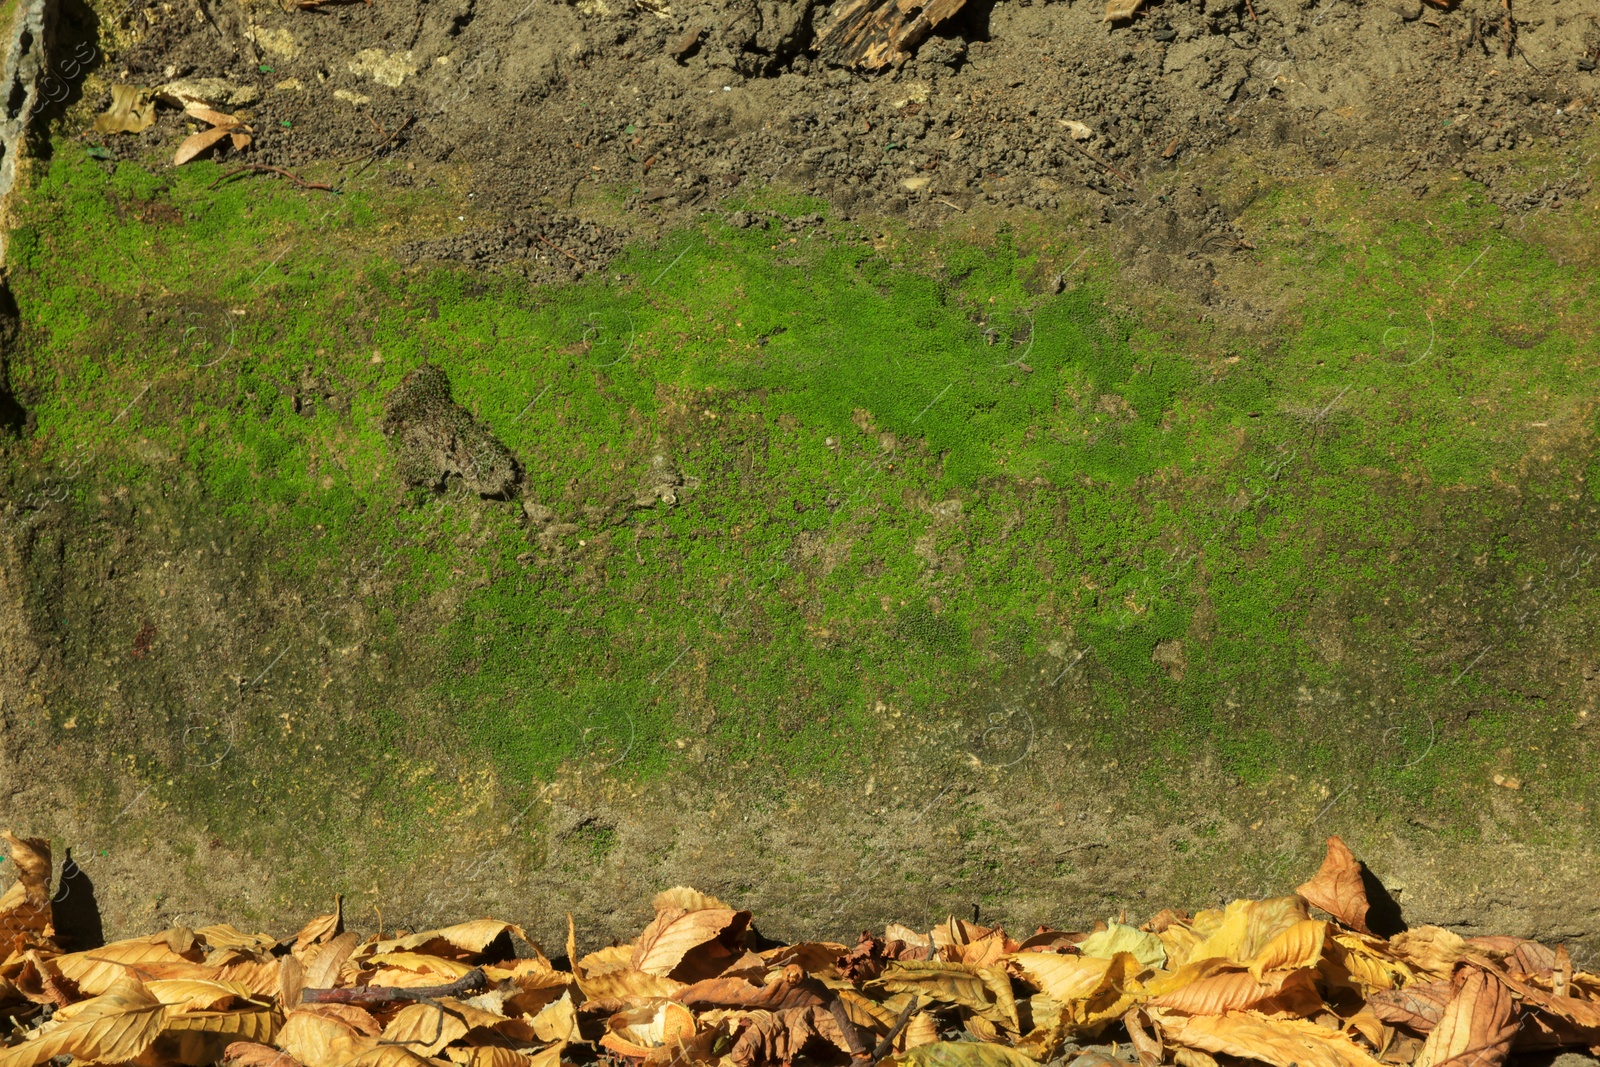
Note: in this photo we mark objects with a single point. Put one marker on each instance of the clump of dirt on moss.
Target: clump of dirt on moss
(437, 439)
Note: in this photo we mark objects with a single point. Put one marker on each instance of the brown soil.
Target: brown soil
(675, 104)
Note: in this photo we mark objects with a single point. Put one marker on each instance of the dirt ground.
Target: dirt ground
(558, 110)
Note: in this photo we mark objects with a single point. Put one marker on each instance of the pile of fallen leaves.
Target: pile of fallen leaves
(1259, 980)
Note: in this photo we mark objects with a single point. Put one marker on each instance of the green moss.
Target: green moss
(901, 473)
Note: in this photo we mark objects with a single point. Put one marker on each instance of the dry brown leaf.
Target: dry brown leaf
(355, 1016)
(1476, 1028)
(255, 1054)
(424, 1028)
(1145, 1038)
(1121, 9)
(323, 964)
(291, 982)
(1430, 949)
(1337, 887)
(322, 928)
(1280, 1042)
(778, 1037)
(469, 939)
(434, 967)
(226, 935)
(115, 1027)
(558, 1021)
(132, 110)
(197, 143)
(312, 1036)
(959, 1054)
(215, 118)
(813, 957)
(198, 994)
(923, 1029)
(368, 1052)
(1417, 1007)
(261, 978)
(1193, 1057)
(742, 993)
(674, 933)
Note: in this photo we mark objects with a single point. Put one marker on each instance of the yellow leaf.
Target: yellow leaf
(416, 963)
(197, 1038)
(468, 937)
(97, 970)
(683, 898)
(1179, 941)
(310, 1036)
(1121, 9)
(1298, 946)
(950, 983)
(424, 1029)
(1361, 963)
(1430, 949)
(1293, 992)
(225, 935)
(558, 1021)
(197, 994)
(1279, 1042)
(960, 1054)
(1247, 926)
(1064, 978)
(367, 1052)
(1147, 948)
(114, 1027)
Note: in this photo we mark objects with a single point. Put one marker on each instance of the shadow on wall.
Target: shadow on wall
(13, 417)
(75, 909)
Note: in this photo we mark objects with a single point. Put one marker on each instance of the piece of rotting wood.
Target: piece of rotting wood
(873, 34)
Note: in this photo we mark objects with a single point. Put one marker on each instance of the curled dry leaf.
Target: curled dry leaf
(1121, 9)
(635, 1032)
(25, 907)
(1337, 888)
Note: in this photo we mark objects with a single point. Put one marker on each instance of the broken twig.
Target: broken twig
(558, 248)
(887, 1044)
(474, 981)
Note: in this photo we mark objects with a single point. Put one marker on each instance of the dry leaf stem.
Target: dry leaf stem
(247, 168)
